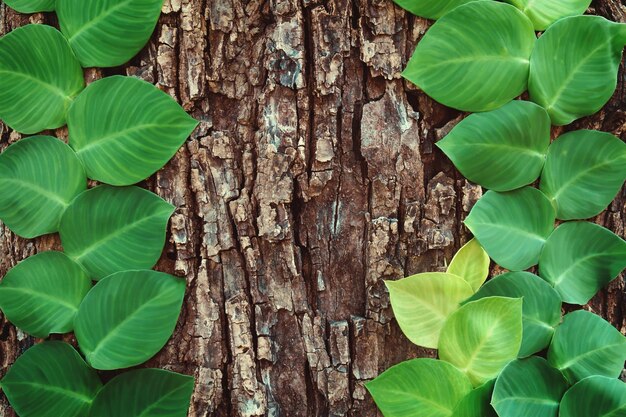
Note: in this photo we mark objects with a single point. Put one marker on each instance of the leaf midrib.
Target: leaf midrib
(45, 296)
(53, 88)
(534, 236)
(583, 173)
(578, 261)
(38, 189)
(578, 358)
(160, 400)
(97, 19)
(68, 393)
(521, 149)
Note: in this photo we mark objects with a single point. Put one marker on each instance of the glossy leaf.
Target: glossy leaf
(596, 396)
(124, 129)
(583, 173)
(471, 263)
(477, 403)
(430, 9)
(128, 317)
(462, 65)
(512, 226)
(39, 77)
(108, 229)
(580, 258)
(39, 177)
(503, 149)
(31, 6)
(51, 380)
(545, 12)
(421, 303)
(482, 336)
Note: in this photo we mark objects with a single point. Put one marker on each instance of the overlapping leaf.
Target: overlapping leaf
(430, 9)
(471, 263)
(477, 403)
(596, 396)
(545, 12)
(31, 6)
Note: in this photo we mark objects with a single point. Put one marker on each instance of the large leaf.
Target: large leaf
(545, 12)
(585, 345)
(477, 403)
(580, 258)
(482, 336)
(596, 396)
(528, 387)
(51, 380)
(573, 68)
(503, 149)
(541, 309)
(583, 173)
(41, 294)
(421, 304)
(124, 129)
(31, 6)
(128, 317)
(108, 229)
(39, 177)
(471, 263)
(144, 393)
(462, 65)
(39, 77)
(107, 33)
(512, 226)
(424, 387)
(430, 9)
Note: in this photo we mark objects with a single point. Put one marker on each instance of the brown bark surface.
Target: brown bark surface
(311, 178)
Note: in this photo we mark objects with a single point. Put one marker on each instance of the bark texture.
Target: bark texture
(312, 178)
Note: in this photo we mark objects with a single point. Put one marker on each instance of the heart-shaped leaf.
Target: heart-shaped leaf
(51, 380)
(573, 68)
(430, 9)
(431, 297)
(107, 33)
(528, 387)
(39, 77)
(423, 386)
(585, 345)
(487, 68)
(128, 317)
(31, 6)
(545, 12)
(583, 173)
(39, 177)
(41, 294)
(580, 258)
(503, 149)
(144, 393)
(125, 129)
(477, 403)
(471, 263)
(482, 336)
(596, 396)
(512, 226)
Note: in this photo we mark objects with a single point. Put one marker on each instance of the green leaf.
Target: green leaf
(430, 9)
(39, 77)
(431, 297)
(573, 68)
(128, 317)
(31, 6)
(143, 393)
(51, 380)
(543, 13)
(528, 387)
(512, 226)
(471, 263)
(458, 52)
(41, 294)
(481, 337)
(477, 403)
(583, 173)
(596, 396)
(424, 387)
(580, 258)
(585, 345)
(124, 129)
(503, 149)
(541, 309)
(39, 177)
(107, 33)
(108, 229)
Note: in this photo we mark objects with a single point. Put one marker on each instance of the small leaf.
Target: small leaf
(503, 149)
(31, 6)
(471, 263)
(431, 297)
(423, 386)
(477, 403)
(543, 13)
(430, 9)
(596, 396)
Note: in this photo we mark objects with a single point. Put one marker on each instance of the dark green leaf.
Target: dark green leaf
(31, 6)
(477, 403)
(596, 396)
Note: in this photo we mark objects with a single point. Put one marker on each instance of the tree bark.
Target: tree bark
(311, 178)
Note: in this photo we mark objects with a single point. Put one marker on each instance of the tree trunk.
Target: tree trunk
(312, 178)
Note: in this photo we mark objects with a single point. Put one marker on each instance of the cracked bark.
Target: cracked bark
(312, 178)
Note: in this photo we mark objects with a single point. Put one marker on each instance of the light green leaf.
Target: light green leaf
(31, 6)
(430, 9)
(477, 403)
(51, 380)
(545, 12)
(471, 263)
(583, 173)
(481, 337)
(39, 177)
(125, 129)
(109, 229)
(585, 345)
(128, 317)
(41, 294)
(485, 68)
(512, 226)
(421, 303)
(580, 258)
(107, 33)
(144, 393)
(596, 396)
(424, 387)
(39, 77)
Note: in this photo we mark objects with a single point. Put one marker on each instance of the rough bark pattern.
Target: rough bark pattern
(312, 178)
